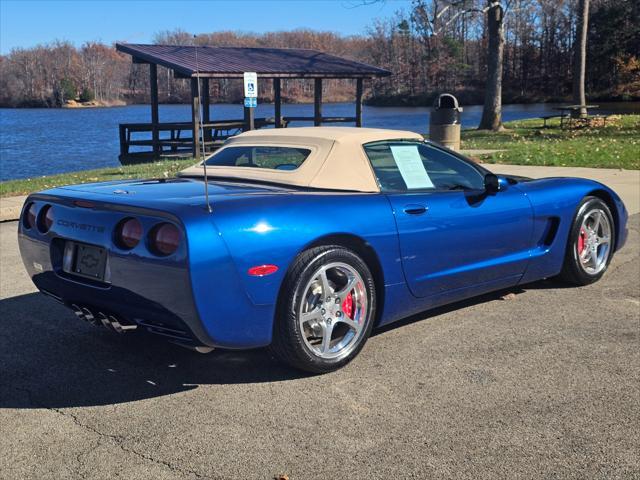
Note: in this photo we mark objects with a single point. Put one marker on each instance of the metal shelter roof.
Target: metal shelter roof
(231, 62)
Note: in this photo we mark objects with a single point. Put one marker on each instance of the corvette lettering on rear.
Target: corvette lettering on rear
(80, 226)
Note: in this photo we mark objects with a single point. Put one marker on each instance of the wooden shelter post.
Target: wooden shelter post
(359, 86)
(206, 108)
(155, 136)
(195, 118)
(317, 102)
(277, 102)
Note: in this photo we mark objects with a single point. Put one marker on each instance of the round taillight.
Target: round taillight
(45, 219)
(164, 239)
(30, 216)
(128, 233)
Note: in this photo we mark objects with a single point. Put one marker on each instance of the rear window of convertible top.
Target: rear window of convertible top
(275, 158)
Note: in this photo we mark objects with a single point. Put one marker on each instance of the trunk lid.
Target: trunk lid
(155, 193)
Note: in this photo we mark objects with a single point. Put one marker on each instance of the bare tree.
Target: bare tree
(495, 12)
(492, 110)
(436, 46)
(580, 58)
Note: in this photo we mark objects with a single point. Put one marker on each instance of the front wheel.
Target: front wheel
(326, 310)
(591, 242)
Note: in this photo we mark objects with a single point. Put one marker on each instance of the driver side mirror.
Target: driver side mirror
(491, 183)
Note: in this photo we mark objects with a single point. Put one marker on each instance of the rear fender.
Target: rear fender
(277, 230)
(225, 309)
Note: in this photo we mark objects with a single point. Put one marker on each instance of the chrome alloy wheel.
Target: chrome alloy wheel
(333, 311)
(594, 241)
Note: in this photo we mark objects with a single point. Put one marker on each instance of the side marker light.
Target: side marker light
(262, 270)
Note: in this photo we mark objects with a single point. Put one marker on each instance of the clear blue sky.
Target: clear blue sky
(25, 23)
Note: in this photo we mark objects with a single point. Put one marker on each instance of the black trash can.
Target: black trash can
(444, 122)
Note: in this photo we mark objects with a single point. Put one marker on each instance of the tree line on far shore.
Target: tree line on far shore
(434, 47)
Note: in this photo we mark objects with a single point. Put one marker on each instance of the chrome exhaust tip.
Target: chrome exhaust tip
(101, 318)
(195, 348)
(114, 324)
(89, 317)
(104, 320)
(77, 310)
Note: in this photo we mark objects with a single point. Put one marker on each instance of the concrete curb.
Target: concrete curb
(10, 208)
(475, 153)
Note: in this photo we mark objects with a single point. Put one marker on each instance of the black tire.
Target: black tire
(572, 270)
(289, 344)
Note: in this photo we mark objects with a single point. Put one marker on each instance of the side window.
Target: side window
(448, 171)
(279, 158)
(407, 166)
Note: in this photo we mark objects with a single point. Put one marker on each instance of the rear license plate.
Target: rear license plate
(85, 260)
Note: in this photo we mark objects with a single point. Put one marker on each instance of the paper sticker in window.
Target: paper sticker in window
(411, 167)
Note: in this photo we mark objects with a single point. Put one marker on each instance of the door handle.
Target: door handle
(415, 209)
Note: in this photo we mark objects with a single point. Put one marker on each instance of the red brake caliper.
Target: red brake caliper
(581, 241)
(347, 306)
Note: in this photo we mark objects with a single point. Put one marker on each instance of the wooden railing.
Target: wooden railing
(180, 135)
(321, 120)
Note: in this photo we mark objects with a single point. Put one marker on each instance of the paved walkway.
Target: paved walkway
(625, 182)
(10, 207)
(476, 153)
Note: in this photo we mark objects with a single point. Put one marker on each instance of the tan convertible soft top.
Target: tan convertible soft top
(337, 159)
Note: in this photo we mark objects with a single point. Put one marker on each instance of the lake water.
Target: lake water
(35, 142)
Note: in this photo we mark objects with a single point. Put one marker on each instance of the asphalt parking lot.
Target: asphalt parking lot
(538, 382)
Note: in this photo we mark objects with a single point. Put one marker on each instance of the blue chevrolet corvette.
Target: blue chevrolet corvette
(304, 239)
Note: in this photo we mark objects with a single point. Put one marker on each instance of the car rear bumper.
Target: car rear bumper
(157, 294)
(156, 297)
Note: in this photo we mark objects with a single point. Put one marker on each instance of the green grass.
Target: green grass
(146, 170)
(525, 142)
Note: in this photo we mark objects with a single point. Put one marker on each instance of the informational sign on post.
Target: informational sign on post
(250, 85)
(250, 102)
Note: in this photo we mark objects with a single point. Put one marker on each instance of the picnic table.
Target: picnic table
(567, 118)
